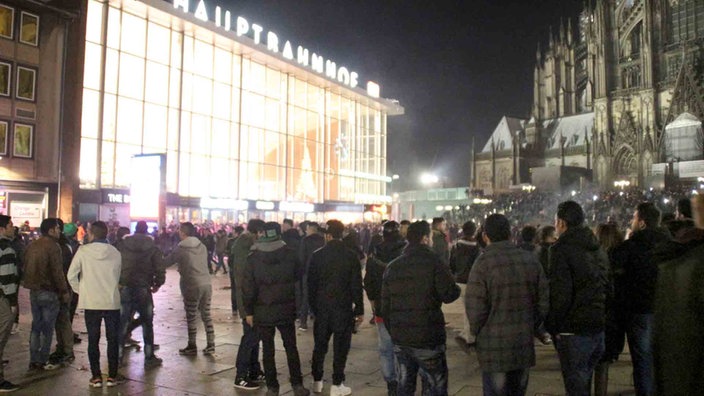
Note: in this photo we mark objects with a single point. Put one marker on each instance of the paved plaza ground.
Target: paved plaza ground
(214, 375)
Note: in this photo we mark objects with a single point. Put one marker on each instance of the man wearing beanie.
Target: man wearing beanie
(142, 274)
(269, 298)
(335, 295)
(9, 283)
(94, 274)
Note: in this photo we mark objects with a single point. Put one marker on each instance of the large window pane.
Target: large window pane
(202, 95)
(253, 110)
(158, 43)
(89, 122)
(91, 73)
(221, 101)
(274, 117)
(107, 165)
(273, 83)
(223, 65)
(200, 134)
(155, 127)
(109, 117)
(203, 59)
(198, 170)
(129, 124)
(94, 21)
(184, 175)
(89, 163)
(134, 30)
(131, 76)
(114, 28)
(123, 164)
(172, 171)
(112, 62)
(176, 43)
(173, 129)
(157, 84)
(218, 175)
(221, 139)
(236, 70)
(254, 77)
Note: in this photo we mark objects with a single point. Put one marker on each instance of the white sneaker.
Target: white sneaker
(15, 328)
(317, 386)
(340, 390)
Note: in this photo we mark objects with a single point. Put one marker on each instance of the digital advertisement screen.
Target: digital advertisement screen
(146, 187)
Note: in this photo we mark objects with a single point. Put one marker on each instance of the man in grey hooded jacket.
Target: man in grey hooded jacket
(196, 290)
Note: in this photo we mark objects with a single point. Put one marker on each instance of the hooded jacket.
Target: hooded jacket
(578, 283)
(269, 285)
(382, 255)
(415, 286)
(142, 265)
(95, 275)
(678, 328)
(192, 259)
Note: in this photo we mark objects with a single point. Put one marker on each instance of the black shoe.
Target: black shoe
(243, 383)
(7, 386)
(209, 350)
(257, 377)
(152, 361)
(189, 350)
(76, 339)
(36, 366)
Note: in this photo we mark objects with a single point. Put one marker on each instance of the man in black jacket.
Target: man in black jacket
(309, 244)
(635, 277)
(335, 295)
(390, 248)
(462, 258)
(415, 286)
(578, 283)
(142, 274)
(269, 300)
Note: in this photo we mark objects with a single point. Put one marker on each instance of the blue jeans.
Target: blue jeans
(386, 354)
(579, 355)
(431, 364)
(639, 330)
(45, 309)
(511, 383)
(247, 361)
(137, 299)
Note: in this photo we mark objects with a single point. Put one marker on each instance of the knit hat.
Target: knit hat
(70, 229)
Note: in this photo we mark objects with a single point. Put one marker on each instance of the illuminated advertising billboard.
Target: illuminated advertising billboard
(147, 191)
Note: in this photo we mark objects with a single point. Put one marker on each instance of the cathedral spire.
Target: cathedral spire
(538, 56)
(562, 31)
(552, 41)
(569, 31)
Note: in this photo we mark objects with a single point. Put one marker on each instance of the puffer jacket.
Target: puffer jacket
(269, 285)
(238, 254)
(382, 255)
(415, 286)
(635, 273)
(192, 259)
(142, 265)
(578, 283)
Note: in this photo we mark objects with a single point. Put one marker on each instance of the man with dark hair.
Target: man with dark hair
(527, 241)
(462, 258)
(45, 279)
(403, 230)
(635, 277)
(309, 244)
(578, 283)
(390, 248)
(415, 286)
(95, 275)
(269, 301)
(248, 370)
(507, 298)
(142, 274)
(192, 258)
(290, 235)
(9, 284)
(335, 295)
(441, 244)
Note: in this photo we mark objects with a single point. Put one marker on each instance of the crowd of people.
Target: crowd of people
(574, 273)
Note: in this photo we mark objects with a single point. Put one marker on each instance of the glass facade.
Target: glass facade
(232, 126)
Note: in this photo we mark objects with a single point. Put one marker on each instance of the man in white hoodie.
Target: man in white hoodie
(95, 274)
(192, 258)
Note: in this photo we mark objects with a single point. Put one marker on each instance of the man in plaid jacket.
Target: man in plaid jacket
(507, 297)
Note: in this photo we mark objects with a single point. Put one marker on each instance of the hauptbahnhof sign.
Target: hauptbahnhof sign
(224, 19)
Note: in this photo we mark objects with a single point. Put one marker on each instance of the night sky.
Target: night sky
(456, 66)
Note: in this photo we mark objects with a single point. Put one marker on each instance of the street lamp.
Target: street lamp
(429, 178)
